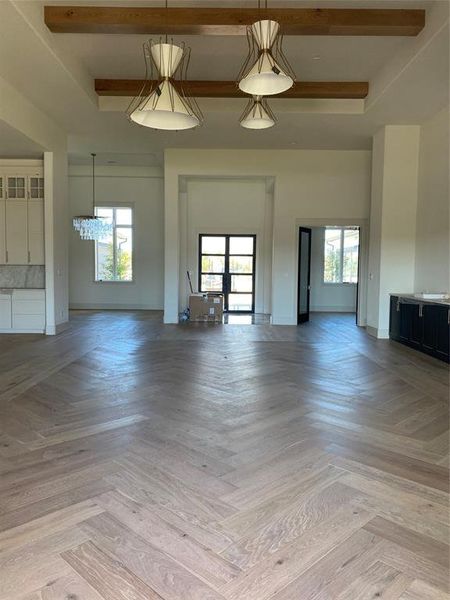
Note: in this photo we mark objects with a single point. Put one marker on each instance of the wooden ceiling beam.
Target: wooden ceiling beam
(232, 21)
(229, 89)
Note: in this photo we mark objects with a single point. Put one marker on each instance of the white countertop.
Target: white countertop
(445, 302)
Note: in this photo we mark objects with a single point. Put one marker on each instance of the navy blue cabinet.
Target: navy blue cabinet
(423, 326)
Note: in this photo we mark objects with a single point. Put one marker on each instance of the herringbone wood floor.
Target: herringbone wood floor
(141, 461)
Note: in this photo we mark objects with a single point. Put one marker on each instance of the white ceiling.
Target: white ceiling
(221, 57)
(408, 79)
(14, 144)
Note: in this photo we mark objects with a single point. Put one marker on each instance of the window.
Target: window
(114, 253)
(341, 249)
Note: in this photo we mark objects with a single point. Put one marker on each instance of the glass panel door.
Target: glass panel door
(227, 266)
(304, 274)
(241, 269)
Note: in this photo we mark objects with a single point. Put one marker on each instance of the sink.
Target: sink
(432, 295)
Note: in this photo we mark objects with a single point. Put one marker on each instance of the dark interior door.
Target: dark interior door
(227, 265)
(304, 274)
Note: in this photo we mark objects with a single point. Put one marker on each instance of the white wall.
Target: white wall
(143, 188)
(392, 221)
(227, 206)
(327, 297)
(432, 270)
(20, 114)
(309, 184)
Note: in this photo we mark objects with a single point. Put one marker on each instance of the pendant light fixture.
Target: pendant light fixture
(266, 71)
(91, 227)
(162, 102)
(257, 114)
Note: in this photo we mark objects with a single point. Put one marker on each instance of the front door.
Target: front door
(227, 266)
(304, 274)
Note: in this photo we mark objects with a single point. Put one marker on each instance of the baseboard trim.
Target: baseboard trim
(334, 309)
(379, 334)
(14, 331)
(102, 306)
(282, 321)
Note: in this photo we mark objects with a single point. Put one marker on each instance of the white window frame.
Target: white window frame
(115, 226)
(341, 257)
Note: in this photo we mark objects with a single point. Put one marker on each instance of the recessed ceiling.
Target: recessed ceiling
(220, 58)
(56, 72)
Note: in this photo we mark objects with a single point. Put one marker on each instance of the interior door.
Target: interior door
(227, 265)
(304, 274)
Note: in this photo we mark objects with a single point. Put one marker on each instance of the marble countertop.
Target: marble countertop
(445, 302)
(22, 277)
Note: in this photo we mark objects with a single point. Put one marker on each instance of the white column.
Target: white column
(392, 221)
(56, 240)
(171, 245)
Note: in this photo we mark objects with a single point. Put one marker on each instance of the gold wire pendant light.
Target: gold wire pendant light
(257, 114)
(266, 71)
(162, 102)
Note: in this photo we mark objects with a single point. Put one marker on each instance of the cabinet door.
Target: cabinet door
(36, 187)
(405, 322)
(429, 328)
(36, 232)
(16, 232)
(442, 347)
(394, 319)
(2, 231)
(416, 330)
(15, 187)
(5, 310)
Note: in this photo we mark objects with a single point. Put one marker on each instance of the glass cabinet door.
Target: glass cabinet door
(16, 187)
(36, 187)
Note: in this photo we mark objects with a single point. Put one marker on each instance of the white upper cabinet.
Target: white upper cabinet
(17, 232)
(2, 223)
(22, 217)
(16, 187)
(36, 254)
(36, 188)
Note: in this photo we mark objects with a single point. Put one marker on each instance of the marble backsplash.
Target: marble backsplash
(22, 276)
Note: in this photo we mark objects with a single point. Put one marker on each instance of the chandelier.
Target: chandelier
(91, 227)
(162, 102)
(266, 71)
(257, 114)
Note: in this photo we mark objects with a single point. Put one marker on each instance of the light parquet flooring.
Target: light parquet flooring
(196, 462)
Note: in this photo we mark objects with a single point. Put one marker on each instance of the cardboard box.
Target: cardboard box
(206, 308)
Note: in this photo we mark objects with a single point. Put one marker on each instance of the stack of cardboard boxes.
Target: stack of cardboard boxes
(206, 308)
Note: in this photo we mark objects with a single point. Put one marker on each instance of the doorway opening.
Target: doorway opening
(227, 265)
(328, 270)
